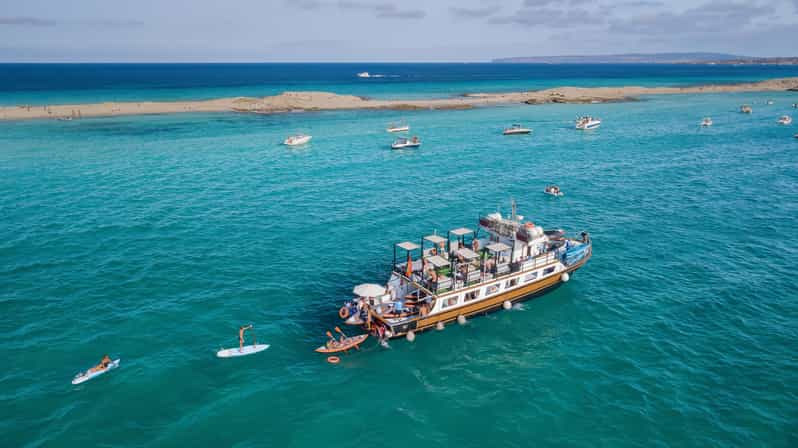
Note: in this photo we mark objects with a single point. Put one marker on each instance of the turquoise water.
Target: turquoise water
(153, 238)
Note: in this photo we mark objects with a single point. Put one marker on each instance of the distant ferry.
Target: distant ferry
(466, 273)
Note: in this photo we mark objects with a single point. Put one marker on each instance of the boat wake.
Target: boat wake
(519, 307)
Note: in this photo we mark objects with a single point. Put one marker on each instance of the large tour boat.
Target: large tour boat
(464, 273)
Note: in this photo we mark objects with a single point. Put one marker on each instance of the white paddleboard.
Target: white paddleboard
(82, 377)
(246, 350)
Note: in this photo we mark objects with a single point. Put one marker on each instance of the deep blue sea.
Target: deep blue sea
(152, 238)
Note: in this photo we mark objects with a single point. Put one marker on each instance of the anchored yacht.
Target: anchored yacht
(785, 120)
(401, 143)
(516, 129)
(587, 122)
(296, 140)
(706, 122)
(398, 127)
(445, 278)
(746, 109)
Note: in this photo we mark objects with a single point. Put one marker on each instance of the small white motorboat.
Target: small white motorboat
(516, 129)
(795, 105)
(398, 127)
(553, 190)
(402, 143)
(785, 120)
(746, 109)
(587, 122)
(363, 75)
(706, 122)
(296, 140)
(770, 102)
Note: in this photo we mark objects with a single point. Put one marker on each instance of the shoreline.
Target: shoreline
(325, 101)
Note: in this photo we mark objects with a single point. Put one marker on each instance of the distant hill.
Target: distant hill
(631, 58)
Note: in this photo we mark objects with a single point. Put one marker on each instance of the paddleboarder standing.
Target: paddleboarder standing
(241, 331)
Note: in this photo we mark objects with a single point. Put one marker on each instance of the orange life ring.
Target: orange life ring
(343, 312)
(333, 359)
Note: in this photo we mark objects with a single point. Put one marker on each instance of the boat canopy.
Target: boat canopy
(467, 253)
(407, 245)
(461, 231)
(497, 247)
(438, 261)
(435, 239)
(369, 290)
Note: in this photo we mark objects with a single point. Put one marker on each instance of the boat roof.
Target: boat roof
(407, 245)
(438, 261)
(460, 231)
(435, 239)
(467, 253)
(368, 290)
(497, 247)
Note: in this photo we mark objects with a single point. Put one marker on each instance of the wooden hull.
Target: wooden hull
(351, 343)
(488, 305)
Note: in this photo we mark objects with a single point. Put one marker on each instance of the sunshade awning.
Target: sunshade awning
(461, 231)
(497, 247)
(435, 239)
(407, 245)
(369, 290)
(467, 253)
(438, 261)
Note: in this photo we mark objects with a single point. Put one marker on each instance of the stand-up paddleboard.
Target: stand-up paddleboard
(82, 377)
(246, 350)
(346, 344)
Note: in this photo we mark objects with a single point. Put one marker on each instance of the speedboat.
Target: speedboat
(363, 75)
(785, 120)
(795, 105)
(707, 121)
(296, 140)
(516, 129)
(398, 127)
(587, 122)
(402, 143)
(770, 102)
(553, 190)
(746, 109)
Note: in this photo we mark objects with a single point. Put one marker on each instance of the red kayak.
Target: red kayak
(341, 346)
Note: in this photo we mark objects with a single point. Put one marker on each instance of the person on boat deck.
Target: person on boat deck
(102, 365)
(241, 331)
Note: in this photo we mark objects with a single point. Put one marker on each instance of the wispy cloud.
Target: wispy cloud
(474, 13)
(713, 17)
(26, 21)
(36, 21)
(383, 10)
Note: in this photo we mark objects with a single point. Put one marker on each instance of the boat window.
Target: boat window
(471, 295)
(548, 271)
(492, 289)
(451, 301)
(510, 283)
(531, 276)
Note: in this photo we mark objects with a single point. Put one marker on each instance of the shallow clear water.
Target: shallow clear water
(153, 238)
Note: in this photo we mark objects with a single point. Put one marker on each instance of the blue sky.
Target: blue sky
(386, 30)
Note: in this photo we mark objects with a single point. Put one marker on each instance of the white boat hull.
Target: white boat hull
(293, 141)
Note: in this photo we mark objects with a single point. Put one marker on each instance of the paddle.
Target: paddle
(345, 336)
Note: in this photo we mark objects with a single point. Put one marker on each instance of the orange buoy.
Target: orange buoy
(333, 359)
(343, 312)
